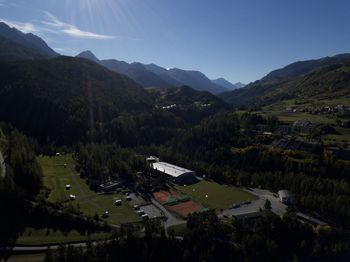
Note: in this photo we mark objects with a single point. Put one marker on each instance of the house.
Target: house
(285, 196)
(175, 173)
(285, 129)
(304, 126)
(291, 109)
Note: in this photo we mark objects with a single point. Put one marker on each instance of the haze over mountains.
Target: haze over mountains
(151, 75)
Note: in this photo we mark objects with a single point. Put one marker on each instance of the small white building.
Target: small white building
(285, 196)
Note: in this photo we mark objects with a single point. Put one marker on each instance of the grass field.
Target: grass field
(292, 117)
(28, 257)
(213, 195)
(44, 236)
(56, 176)
(179, 230)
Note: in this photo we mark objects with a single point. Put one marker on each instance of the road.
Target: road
(3, 166)
(171, 219)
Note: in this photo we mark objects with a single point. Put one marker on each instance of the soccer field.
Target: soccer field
(56, 177)
(214, 195)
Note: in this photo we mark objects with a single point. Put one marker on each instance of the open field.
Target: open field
(292, 117)
(213, 195)
(179, 230)
(28, 257)
(56, 176)
(44, 236)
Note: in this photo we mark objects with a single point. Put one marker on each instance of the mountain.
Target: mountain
(11, 51)
(89, 55)
(228, 85)
(151, 75)
(239, 85)
(304, 67)
(27, 40)
(195, 79)
(65, 99)
(293, 81)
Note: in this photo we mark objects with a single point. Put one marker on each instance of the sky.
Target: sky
(240, 40)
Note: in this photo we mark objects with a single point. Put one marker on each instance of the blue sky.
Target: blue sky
(241, 40)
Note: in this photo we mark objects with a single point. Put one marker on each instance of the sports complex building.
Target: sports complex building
(178, 174)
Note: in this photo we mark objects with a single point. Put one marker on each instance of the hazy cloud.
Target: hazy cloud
(71, 30)
(24, 27)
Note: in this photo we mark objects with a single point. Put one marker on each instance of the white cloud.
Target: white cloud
(72, 30)
(24, 27)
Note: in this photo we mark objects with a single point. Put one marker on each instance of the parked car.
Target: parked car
(118, 202)
(140, 212)
(72, 197)
(136, 207)
(145, 217)
(105, 214)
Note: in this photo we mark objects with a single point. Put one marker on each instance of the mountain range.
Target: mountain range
(147, 75)
(65, 99)
(151, 75)
(319, 78)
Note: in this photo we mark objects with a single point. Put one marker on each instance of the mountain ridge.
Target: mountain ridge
(27, 40)
(150, 75)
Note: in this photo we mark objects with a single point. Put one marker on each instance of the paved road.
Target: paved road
(171, 219)
(276, 206)
(2, 164)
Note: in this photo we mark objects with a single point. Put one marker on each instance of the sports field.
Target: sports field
(56, 177)
(214, 195)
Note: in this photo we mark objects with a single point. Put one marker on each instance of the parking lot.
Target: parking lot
(152, 211)
(253, 206)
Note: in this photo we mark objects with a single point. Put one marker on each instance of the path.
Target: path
(2, 164)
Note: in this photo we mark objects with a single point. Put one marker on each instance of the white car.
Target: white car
(72, 197)
(68, 186)
(118, 202)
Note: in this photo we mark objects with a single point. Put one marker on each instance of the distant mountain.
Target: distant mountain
(89, 55)
(195, 79)
(314, 78)
(228, 85)
(239, 85)
(27, 40)
(65, 99)
(304, 67)
(151, 75)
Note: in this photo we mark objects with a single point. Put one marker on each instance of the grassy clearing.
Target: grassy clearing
(48, 236)
(292, 117)
(214, 195)
(179, 230)
(28, 257)
(56, 176)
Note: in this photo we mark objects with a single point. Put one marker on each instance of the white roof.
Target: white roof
(169, 169)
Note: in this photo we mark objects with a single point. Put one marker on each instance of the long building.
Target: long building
(180, 175)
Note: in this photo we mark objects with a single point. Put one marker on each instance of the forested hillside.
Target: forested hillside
(65, 98)
(328, 77)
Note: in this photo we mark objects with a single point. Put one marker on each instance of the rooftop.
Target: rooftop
(169, 169)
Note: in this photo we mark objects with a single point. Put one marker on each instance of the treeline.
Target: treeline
(101, 162)
(206, 238)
